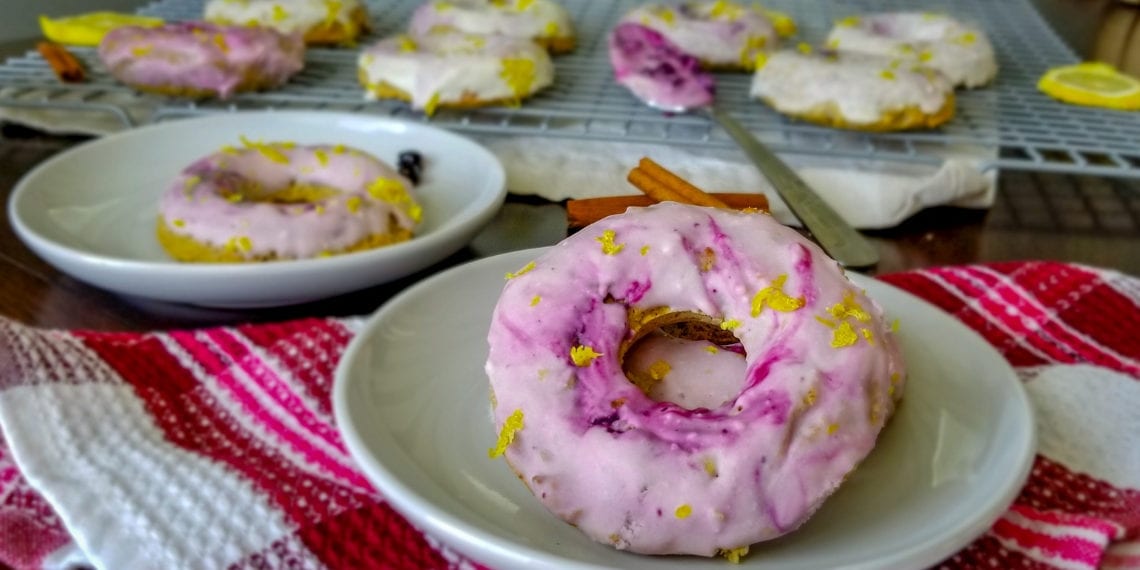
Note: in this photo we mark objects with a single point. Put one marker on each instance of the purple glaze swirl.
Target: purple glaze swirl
(657, 71)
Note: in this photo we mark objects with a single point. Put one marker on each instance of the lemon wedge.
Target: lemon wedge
(1092, 84)
(89, 29)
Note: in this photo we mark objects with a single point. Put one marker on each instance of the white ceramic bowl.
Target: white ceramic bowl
(949, 463)
(91, 210)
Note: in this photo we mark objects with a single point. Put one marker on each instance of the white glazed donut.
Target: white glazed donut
(822, 372)
(319, 21)
(544, 21)
(721, 34)
(452, 69)
(961, 52)
(280, 200)
(853, 91)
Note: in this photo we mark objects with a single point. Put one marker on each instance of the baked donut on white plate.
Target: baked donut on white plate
(318, 21)
(853, 91)
(454, 69)
(544, 21)
(962, 52)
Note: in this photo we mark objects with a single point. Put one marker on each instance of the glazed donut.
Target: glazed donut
(452, 69)
(721, 34)
(853, 91)
(267, 201)
(822, 373)
(200, 60)
(656, 71)
(961, 52)
(542, 21)
(319, 21)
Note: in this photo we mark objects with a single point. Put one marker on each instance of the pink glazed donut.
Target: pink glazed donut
(201, 60)
(280, 200)
(823, 373)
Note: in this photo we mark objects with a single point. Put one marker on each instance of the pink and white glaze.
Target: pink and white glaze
(720, 34)
(287, 16)
(446, 68)
(529, 19)
(656, 71)
(962, 52)
(822, 373)
(202, 57)
(225, 200)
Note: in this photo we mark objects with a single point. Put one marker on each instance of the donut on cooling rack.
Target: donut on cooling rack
(199, 59)
(721, 34)
(544, 21)
(961, 52)
(454, 69)
(270, 201)
(853, 91)
(319, 21)
(821, 375)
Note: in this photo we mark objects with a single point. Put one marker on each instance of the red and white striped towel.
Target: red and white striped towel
(216, 448)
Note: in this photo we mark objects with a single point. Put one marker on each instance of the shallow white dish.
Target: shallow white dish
(91, 210)
(949, 463)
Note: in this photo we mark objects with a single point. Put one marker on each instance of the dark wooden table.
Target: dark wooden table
(1037, 216)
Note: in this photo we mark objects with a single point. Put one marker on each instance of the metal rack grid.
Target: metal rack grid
(1010, 121)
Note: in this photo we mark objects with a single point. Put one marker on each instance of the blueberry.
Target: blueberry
(410, 164)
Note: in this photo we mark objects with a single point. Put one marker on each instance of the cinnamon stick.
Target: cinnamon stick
(689, 193)
(66, 66)
(581, 213)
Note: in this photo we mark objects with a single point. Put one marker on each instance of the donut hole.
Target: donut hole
(685, 359)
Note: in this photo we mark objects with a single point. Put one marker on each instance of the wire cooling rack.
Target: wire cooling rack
(1009, 123)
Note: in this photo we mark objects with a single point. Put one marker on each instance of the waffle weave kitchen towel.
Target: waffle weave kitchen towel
(216, 448)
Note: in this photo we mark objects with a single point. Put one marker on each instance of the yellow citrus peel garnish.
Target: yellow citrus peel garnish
(1094, 85)
(89, 29)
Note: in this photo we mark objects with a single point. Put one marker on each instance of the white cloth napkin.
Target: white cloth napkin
(868, 194)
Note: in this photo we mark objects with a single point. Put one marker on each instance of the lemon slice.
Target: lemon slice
(88, 29)
(1092, 84)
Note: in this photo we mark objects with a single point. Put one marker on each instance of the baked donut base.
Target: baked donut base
(340, 33)
(184, 248)
(899, 119)
(251, 81)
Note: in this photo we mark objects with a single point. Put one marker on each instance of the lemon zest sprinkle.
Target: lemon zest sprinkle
(869, 335)
(608, 245)
(730, 324)
(683, 511)
(844, 335)
(644, 250)
(773, 296)
(733, 555)
(710, 467)
(658, 370)
(832, 428)
(513, 424)
(535, 300)
(583, 355)
(525, 269)
(712, 349)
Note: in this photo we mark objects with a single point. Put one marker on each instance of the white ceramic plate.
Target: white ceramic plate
(948, 464)
(91, 210)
